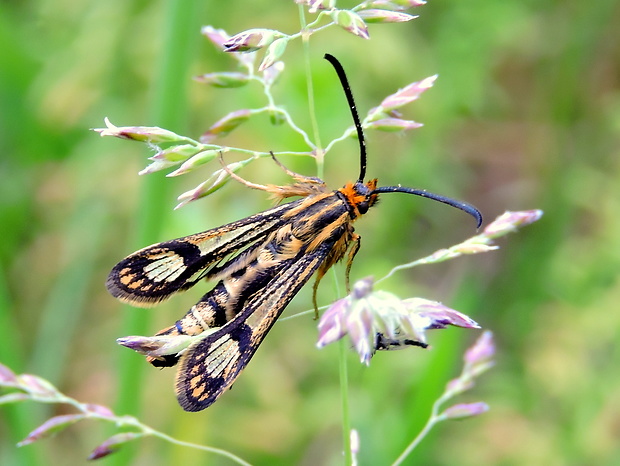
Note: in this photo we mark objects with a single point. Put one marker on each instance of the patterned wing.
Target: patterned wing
(211, 365)
(154, 273)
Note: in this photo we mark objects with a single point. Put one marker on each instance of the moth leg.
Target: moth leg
(305, 188)
(245, 182)
(297, 176)
(356, 240)
(325, 266)
(315, 289)
(337, 252)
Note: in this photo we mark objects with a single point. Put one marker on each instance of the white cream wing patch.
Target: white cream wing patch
(168, 267)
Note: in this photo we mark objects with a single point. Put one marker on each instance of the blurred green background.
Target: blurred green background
(525, 114)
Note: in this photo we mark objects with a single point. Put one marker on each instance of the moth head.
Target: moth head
(360, 196)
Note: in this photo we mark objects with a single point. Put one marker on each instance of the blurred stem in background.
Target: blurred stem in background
(182, 20)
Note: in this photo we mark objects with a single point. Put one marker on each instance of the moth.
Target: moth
(259, 264)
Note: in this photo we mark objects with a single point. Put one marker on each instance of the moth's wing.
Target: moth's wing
(154, 273)
(211, 365)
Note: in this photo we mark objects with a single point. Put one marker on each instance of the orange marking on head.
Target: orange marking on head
(355, 198)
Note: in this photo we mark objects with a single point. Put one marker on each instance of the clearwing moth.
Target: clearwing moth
(259, 264)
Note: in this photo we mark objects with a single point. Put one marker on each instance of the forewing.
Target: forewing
(154, 273)
(211, 365)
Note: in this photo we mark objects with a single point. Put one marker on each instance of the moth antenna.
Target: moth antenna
(356, 119)
(464, 206)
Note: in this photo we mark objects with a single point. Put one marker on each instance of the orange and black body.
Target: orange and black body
(260, 263)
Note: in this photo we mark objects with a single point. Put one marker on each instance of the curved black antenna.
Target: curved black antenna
(356, 119)
(464, 206)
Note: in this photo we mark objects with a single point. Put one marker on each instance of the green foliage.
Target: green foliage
(524, 115)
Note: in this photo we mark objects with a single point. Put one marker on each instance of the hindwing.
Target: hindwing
(211, 365)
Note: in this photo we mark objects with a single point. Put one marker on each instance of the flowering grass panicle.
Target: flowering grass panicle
(378, 320)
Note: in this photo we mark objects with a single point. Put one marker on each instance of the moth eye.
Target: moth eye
(363, 207)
